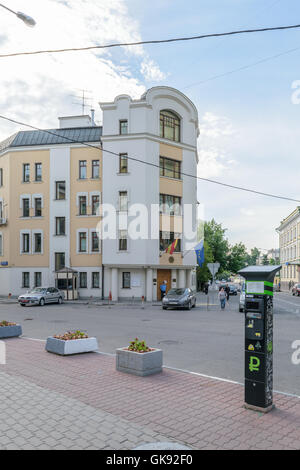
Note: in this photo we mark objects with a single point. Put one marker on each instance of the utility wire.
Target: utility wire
(154, 41)
(243, 67)
(240, 188)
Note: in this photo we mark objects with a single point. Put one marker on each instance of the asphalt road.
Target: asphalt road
(206, 341)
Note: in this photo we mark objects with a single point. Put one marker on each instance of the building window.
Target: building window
(82, 169)
(37, 279)
(38, 243)
(1, 244)
(82, 205)
(59, 261)
(95, 169)
(123, 163)
(123, 201)
(1, 210)
(26, 207)
(96, 280)
(169, 126)
(170, 205)
(1, 177)
(38, 207)
(26, 280)
(169, 168)
(60, 190)
(26, 173)
(83, 280)
(38, 172)
(122, 240)
(60, 225)
(82, 242)
(123, 127)
(126, 281)
(95, 242)
(167, 238)
(95, 205)
(25, 242)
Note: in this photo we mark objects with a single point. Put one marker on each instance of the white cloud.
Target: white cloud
(214, 158)
(39, 88)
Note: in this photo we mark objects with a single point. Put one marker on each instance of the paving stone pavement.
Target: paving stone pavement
(82, 402)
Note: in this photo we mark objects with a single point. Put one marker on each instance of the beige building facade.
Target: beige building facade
(289, 243)
(55, 184)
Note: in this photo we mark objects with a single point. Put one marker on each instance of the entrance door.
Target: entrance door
(163, 275)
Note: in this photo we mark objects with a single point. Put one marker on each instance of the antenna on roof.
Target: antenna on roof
(83, 99)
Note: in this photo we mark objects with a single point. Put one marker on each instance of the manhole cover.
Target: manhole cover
(27, 319)
(162, 446)
(146, 319)
(168, 341)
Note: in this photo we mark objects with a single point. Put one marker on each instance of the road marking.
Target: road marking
(219, 379)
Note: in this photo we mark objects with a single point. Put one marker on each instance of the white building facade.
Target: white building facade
(289, 242)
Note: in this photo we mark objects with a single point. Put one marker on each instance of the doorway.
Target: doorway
(163, 275)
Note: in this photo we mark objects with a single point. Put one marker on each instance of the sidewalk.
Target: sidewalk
(81, 402)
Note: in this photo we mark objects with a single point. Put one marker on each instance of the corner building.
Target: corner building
(52, 186)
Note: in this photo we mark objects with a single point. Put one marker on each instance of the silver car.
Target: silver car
(242, 298)
(41, 296)
(180, 297)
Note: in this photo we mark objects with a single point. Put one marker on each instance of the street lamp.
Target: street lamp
(25, 18)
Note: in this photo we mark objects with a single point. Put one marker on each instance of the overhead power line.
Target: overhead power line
(152, 41)
(138, 160)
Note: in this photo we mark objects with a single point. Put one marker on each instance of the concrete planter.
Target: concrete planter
(72, 346)
(141, 364)
(10, 331)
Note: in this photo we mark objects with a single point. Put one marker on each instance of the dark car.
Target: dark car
(296, 289)
(180, 298)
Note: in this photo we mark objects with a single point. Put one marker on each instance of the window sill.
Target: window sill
(60, 235)
(123, 173)
(170, 178)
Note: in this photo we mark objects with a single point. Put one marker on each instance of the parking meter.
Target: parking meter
(259, 336)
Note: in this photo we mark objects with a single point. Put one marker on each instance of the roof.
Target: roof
(260, 273)
(52, 137)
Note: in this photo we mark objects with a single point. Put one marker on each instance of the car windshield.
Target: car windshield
(176, 291)
(37, 290)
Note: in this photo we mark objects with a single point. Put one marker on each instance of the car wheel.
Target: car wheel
(42, 302)
(189, 306)
(164, 308)
(59, 300)
(22, 305)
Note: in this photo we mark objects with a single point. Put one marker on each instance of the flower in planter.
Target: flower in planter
(138, 346)
(7, 323)
(70, 335)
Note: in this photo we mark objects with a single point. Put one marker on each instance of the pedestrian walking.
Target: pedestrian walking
(227, 290)
(206, 288)
(290, 285)
(222, 297)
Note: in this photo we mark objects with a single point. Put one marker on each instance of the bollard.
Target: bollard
(143, 300)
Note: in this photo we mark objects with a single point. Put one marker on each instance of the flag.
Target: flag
(199, 250)
(171, 247)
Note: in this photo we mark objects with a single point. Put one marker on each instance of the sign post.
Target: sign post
(259, 336)
(214, 268)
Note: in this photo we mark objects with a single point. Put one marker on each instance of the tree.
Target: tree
(253, 257)
(265, 260)
(237, 258)
(214, 235)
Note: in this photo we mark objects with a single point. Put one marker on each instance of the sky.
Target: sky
(248, 114)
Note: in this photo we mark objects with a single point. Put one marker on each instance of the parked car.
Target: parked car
(41, 296)
(179, 297)
(233, 289)
(242, 298)
(296, 289)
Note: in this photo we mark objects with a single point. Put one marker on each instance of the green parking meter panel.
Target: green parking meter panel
(259, 336)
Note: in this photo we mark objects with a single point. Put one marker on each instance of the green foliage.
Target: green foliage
(138, 346)
(254, 255)
(237, 258)
(214, 235)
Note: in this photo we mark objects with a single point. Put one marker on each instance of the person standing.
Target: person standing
(222, 297)
(163, 289)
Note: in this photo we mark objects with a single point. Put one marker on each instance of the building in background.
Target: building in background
(289, 243)
(52, 186)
